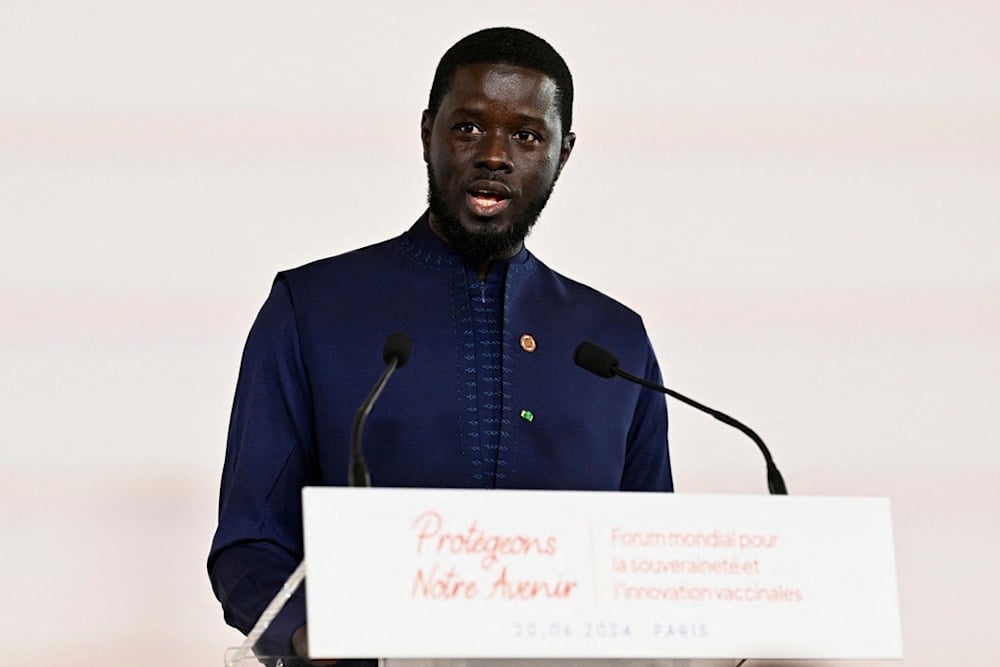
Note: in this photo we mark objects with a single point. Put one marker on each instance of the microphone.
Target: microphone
(395, 354)
(399, 346)
(603, 363)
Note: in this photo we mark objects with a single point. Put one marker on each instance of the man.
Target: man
(490, 397)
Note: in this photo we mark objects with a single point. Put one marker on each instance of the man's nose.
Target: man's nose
(494, 152)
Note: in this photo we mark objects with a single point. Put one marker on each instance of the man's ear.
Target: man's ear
(426, 121)
(567, 147)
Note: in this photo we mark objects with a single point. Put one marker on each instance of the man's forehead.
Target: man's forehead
(502, 82)
(501, 69)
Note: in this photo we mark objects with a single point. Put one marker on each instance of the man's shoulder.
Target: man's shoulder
(575, 294)
(321, 271)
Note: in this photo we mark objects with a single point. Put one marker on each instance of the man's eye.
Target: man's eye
(468, 128)
(527, 135)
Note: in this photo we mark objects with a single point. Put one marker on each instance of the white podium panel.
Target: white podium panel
(422, 573)
(576, 662)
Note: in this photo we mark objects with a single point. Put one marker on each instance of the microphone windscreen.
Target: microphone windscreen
(397, 345)
(595, 359)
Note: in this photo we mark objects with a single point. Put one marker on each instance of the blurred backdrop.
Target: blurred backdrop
(800, 197)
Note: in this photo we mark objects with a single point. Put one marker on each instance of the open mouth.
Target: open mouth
(487, 198)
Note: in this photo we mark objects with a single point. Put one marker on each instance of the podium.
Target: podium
(292, 661)
(476, 578)
(558, 662)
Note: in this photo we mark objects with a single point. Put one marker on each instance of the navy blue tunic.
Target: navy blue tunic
(456, 416)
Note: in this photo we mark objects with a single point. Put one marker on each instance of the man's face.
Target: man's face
(493, 152)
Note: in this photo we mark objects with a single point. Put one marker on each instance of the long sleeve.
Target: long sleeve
(268, 460)
(647, 456)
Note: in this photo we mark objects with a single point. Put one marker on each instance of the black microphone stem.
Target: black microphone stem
(775, 482)
(359, 475)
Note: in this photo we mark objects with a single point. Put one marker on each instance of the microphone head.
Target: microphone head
(596, 359)
(398, 346)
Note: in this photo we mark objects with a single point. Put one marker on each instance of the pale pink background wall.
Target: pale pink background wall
(801, 197)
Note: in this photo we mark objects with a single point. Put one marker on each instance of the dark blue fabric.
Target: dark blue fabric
(450, 418)
(488, 421)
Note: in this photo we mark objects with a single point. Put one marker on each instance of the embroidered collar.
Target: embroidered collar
(421, 236)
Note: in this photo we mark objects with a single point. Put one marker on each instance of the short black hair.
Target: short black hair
(508, 46)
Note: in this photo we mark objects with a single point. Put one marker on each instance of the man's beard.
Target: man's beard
(486, 245)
